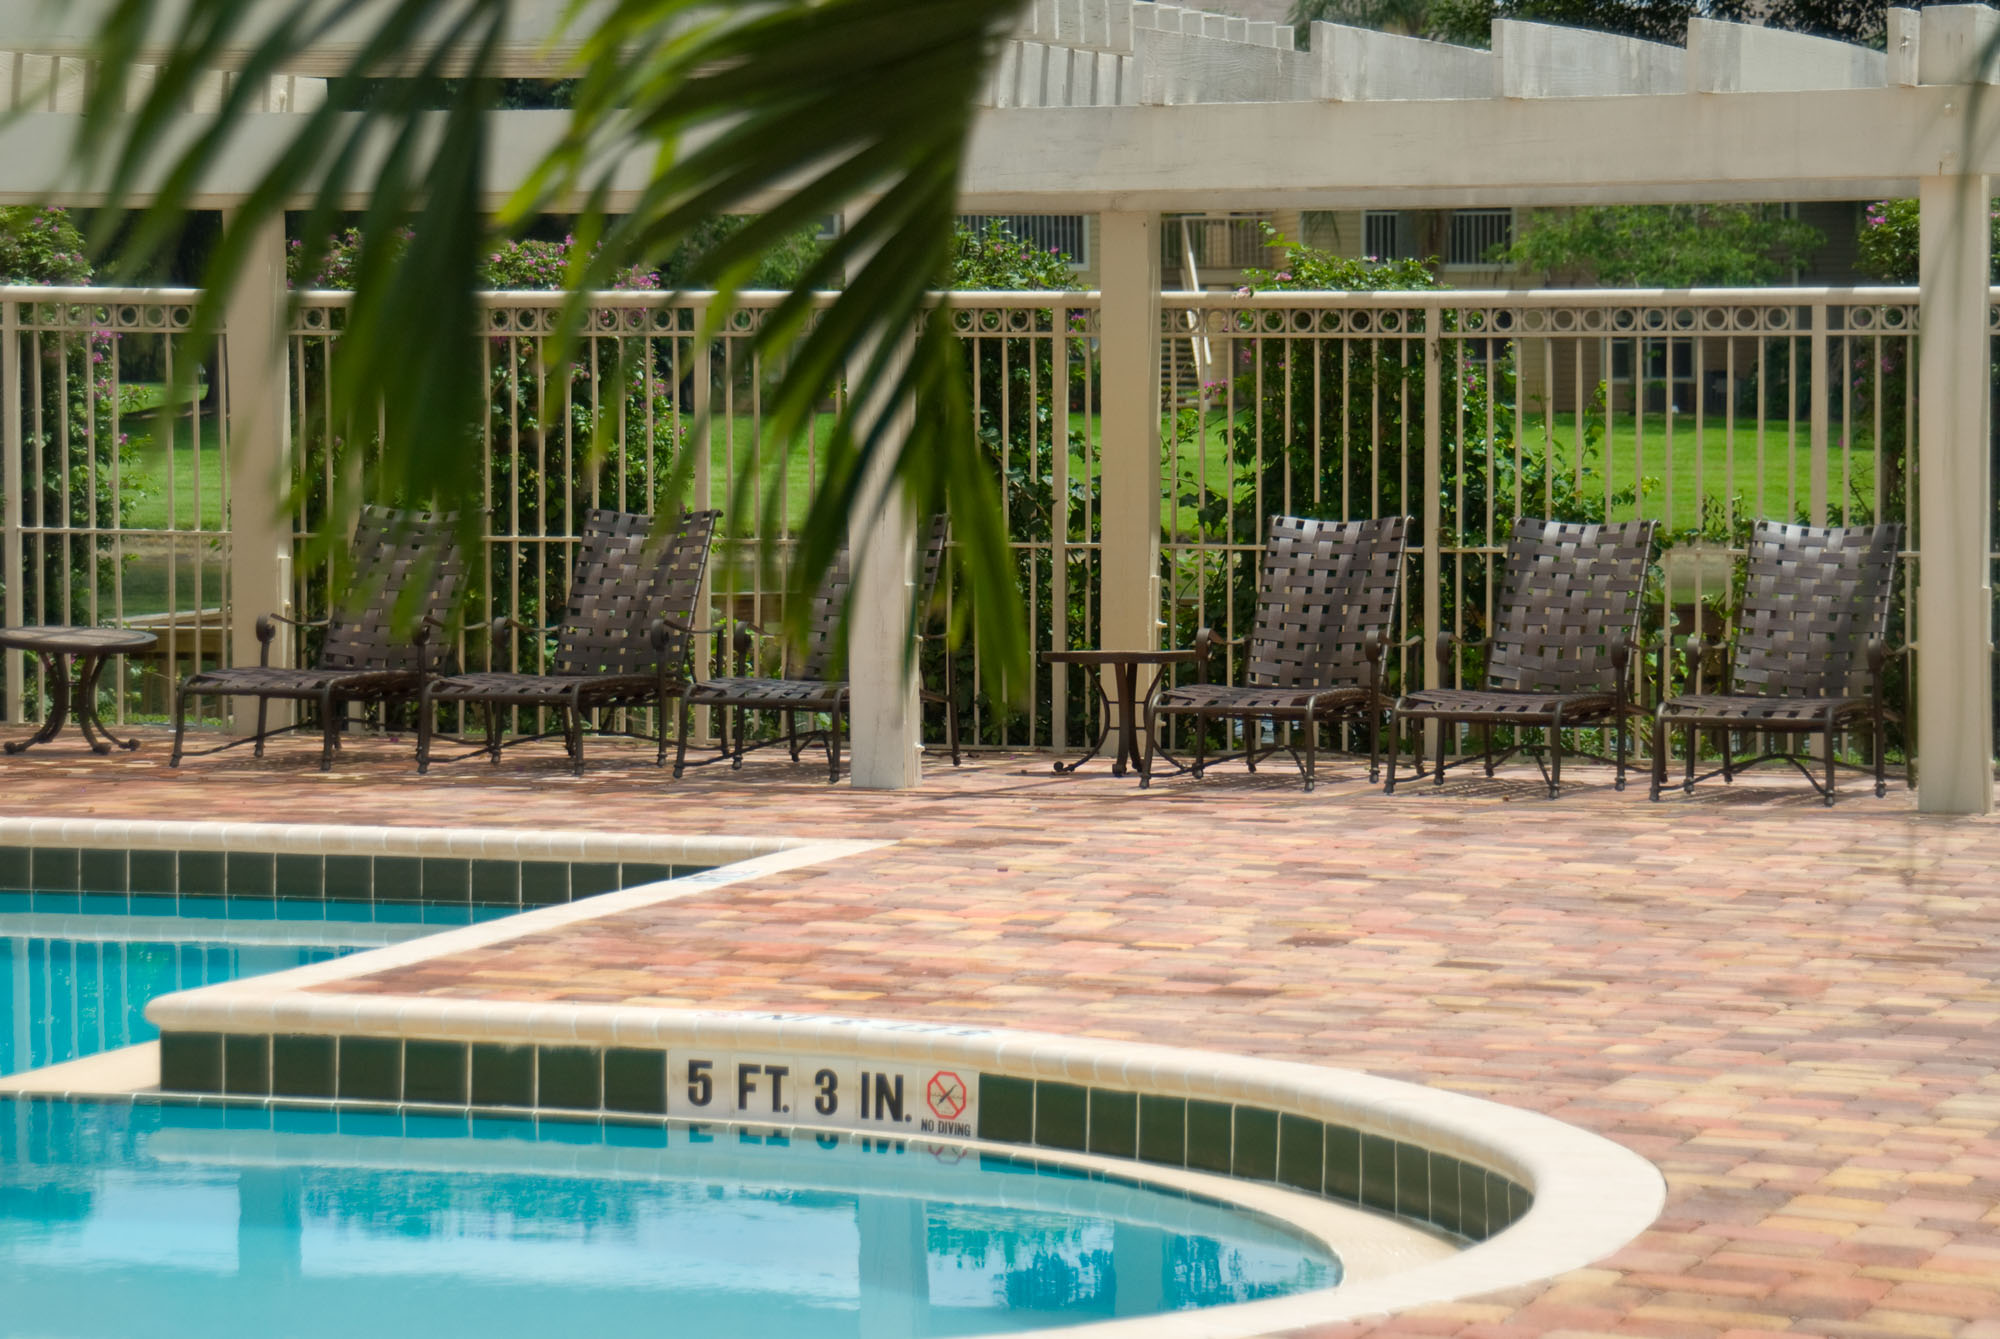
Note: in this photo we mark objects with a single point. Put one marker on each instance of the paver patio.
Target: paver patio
(1792, 1011)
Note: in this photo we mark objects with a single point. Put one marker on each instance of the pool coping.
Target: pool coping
(1589, 1195)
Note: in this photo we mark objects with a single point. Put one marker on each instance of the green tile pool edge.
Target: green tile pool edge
(1251, 1143)
(451, 880)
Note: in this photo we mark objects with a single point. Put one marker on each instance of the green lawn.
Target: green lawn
(1690, 467)
(196, 474)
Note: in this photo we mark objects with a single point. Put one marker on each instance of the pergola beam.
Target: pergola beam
(1834, 144)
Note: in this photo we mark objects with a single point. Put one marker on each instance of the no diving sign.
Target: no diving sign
(843, 1092)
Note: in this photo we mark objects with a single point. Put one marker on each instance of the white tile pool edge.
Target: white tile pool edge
(1591, 1196)
(349, 839)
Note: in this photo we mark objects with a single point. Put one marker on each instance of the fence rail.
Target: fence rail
(1705, 410)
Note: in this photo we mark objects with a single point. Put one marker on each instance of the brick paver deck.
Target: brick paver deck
(1792, 1011)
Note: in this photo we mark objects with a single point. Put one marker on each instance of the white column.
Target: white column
(1954, 586)
(260, 440)
(13, 480)
(1129, 330)
(884, 715)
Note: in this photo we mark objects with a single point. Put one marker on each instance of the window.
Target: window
(1476, 232)
(1052, 232)
(1386, 235)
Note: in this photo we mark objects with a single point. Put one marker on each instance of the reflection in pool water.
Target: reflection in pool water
(78, 969)
(170, 1220)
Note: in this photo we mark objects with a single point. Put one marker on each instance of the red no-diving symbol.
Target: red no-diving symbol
(946, 1095)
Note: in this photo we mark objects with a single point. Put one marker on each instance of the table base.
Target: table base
(1128, 758)
(82, 696)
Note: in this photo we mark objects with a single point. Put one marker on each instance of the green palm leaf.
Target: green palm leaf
(823, 106)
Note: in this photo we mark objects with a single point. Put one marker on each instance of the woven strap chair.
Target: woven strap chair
(811, 691)
(1569, 618)
(1810, 648)
(624, 641)
(1326, 611)
(370, 653)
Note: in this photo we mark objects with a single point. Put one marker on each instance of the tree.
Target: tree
(1470, 22)
(861, 106)
(1664, 246)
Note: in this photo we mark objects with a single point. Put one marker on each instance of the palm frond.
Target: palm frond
(855, 107)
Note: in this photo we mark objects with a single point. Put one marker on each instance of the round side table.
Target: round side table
(90, 648)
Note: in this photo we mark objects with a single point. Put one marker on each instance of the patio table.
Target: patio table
(91, 647)
(1124, 667)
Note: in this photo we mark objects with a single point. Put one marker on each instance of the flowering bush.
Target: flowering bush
(40, 245)
(1888, 240)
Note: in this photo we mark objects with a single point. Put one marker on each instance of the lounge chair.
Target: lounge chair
(1809, 650)
(810, 691)
(1561, 655)
(364, 657)
(623, 642)
(1326, 612)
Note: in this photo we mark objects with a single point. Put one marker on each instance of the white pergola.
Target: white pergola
(1130, 109)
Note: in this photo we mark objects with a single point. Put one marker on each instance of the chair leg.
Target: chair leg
(263, 707)
(1250, 743)
(1312, 742)
(736, 762)
(1881, 766)
(1146, 759)
(1486, 746)
(1659, 756)
(1374, 744)
(576, 738)
(1725, 739)
(792, 733)
(1395, 748)
(1555, 758)
(1619, 726)
(328, 726)
(833, 746)
(1440, 752)
(1829, 759)
(681, 747)
(180, 725)
(426, 708)
(1693, 746)
(492, 715)
(951, 704)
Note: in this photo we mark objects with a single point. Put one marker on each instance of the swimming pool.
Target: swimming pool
(218, 1221)
(77, 969)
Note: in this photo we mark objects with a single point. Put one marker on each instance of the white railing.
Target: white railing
(1704, 410)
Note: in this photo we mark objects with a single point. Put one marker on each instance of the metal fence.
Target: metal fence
(1705, 410)
(116, 489)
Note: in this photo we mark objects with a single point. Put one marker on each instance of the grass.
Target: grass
(195, 469)
(1775, 486)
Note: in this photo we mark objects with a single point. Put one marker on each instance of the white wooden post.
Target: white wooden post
(1129, 326)
(13, 482)
(1954, 584)
(260, 439)
(884, 714)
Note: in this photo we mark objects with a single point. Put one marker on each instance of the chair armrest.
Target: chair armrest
(1621, 652)
(1879, 654)
(1446, 641)
(1207, 639)
(1692, 649)
(421, 636)
(266, 628)
(660, 631)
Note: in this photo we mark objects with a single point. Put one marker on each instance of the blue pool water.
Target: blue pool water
(77, 969)
(119, 1220)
